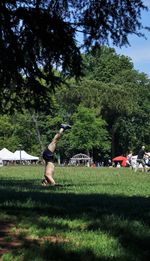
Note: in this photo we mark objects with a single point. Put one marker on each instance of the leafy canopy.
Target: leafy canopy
(38, 36)
(88, 131)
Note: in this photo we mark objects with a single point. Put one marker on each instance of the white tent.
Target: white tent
(1, 162)
(80, 158)
(6, 154)
(23, 155)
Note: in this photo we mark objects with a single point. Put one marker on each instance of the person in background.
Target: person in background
(48, 156)
(140, 158)
(129, 159)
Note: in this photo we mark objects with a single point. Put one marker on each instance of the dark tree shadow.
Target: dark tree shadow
(92, 207)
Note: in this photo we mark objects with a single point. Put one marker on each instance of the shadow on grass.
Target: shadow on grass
(50, 251)
(107, 213)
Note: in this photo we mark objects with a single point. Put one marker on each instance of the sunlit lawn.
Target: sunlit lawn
(97, 214)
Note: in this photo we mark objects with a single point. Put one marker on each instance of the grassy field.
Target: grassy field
(100, 214)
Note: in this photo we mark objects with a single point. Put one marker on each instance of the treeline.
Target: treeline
(108, 107)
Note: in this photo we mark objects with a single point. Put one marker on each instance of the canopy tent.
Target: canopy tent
(23, 155)
(1, 162)
(121, 159)
(7, 155)
(80, 158)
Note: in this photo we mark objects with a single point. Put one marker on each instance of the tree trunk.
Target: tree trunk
(34, 118)
(113, 143)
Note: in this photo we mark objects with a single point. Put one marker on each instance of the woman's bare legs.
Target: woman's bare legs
(49, 172)
(52, 145)
(49, 166)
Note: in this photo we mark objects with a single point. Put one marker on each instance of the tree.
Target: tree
(124, 96)
(117, 92)
(103, 64)
(88, 132)
(21, 129)
(37, 36)
(7, 136)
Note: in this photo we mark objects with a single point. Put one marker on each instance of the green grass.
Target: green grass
(100, 214)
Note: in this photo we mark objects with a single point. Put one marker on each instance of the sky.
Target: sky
(139, 49)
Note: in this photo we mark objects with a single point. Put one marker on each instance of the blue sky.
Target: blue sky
(139, 51)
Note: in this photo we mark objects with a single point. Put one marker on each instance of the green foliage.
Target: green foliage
(112, 96)
(124, 98)
(38, 37)
(18, 129)
(103, 64)
(8, 139)
(88, 131)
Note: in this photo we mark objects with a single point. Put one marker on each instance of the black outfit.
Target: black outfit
(48, 155)
(141, 154)
(140, 157)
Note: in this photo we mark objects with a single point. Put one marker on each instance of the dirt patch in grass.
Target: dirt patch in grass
(10, 240)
